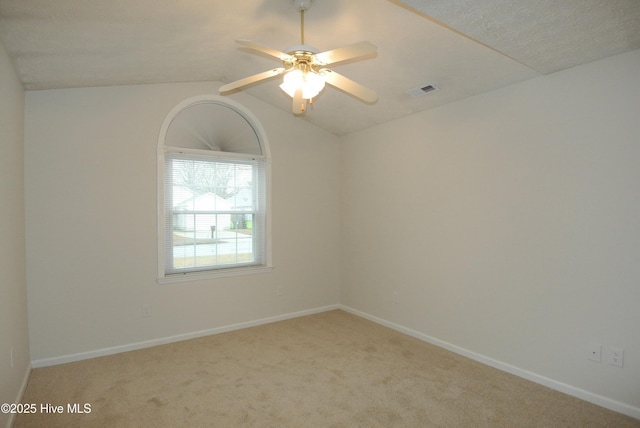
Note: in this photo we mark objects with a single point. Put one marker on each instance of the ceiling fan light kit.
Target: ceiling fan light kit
(304, 69)
(310, 82)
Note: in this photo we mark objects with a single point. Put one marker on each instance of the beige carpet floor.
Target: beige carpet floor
(327, 370)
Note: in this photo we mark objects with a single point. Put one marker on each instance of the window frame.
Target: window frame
(198, 274)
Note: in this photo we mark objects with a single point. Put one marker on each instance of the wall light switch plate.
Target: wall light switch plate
(595, 352)
(146, 310)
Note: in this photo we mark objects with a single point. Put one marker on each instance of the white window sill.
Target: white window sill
(219, 273)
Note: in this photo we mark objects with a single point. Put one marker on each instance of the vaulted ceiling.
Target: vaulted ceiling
(462, 47)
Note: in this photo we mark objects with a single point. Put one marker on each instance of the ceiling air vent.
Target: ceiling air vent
(416, 92)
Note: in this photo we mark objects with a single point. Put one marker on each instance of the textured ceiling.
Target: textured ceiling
(546, 35)
(463, 47)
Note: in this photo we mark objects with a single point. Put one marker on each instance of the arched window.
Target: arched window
(212, 191)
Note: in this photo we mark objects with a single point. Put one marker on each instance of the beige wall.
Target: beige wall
(91, 223)
(13, 288)
(509, 225)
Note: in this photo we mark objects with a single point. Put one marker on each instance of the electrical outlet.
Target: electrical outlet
(616, 357)
(595, 352)
(146, 310)
(396, 299)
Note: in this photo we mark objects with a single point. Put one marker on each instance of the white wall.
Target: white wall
(13, 288)
(509, 225)
(91, 223)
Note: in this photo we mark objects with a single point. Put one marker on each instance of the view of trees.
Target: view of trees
(222, 179)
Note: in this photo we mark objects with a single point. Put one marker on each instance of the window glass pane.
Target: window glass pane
(212, 219)
(204, 240)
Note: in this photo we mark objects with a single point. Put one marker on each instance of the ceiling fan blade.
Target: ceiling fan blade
(298, 102)
(250, 80)
(264, 49)
(347, 52)
(349, 86)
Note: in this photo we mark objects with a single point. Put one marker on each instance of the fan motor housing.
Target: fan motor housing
(304, 60)
(302, 48)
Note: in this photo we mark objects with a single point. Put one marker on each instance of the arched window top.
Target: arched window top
(213, 123)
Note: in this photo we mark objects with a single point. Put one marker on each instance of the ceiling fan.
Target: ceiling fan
(304, 69)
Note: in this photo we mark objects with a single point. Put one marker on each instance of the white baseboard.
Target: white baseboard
(46, 362)
(599, 400)
(23, 388)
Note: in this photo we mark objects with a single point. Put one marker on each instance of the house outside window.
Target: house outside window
(213, 171)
